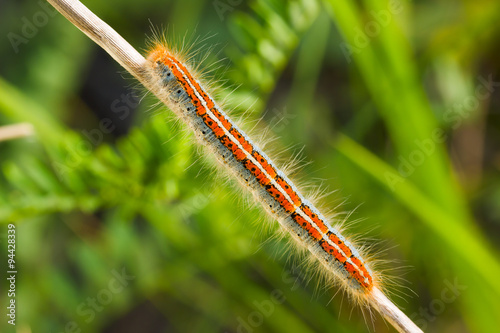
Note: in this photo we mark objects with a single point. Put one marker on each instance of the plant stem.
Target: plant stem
(133, 62)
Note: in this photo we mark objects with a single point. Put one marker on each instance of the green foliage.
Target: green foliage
(364, 102)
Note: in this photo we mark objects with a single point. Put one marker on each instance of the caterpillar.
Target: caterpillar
(190, 101)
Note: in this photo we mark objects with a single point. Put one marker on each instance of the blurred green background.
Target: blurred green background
(121, 227)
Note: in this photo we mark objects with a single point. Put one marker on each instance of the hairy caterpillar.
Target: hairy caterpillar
(184, 94)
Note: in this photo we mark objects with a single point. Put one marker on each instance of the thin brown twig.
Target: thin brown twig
(9, 132)
(133, 62)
